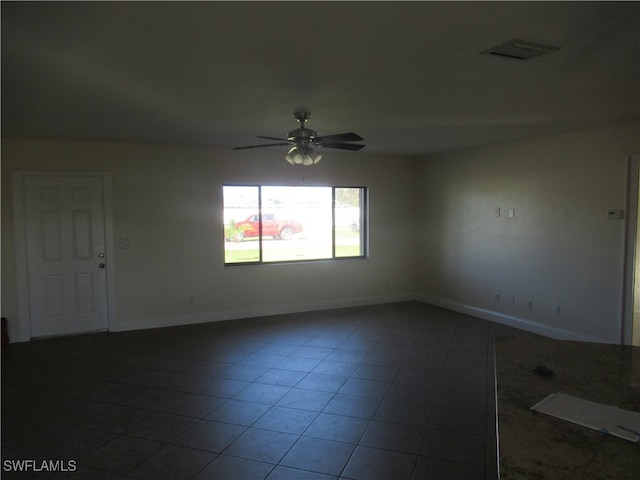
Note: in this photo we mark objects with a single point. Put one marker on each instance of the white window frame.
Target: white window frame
(362, 227)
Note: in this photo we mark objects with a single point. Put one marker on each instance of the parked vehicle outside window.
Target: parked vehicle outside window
(272, 226)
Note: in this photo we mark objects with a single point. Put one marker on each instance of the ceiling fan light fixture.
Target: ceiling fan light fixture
(302, 156)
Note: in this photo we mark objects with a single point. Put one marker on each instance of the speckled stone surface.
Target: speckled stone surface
(533, 445)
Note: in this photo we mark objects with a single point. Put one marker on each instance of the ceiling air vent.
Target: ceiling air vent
(520, 50)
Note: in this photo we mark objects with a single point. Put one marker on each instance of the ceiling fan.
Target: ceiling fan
(302, 140)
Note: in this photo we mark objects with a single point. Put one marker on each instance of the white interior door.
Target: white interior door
(65, 246)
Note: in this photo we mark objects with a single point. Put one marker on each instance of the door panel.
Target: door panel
(53, 294)
(51, 237)
(82, 235)
(85, 293)
(65, 232)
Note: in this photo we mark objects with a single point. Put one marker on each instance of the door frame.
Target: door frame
(20, 231)
(631, 250)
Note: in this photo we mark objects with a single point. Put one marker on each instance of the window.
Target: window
(265, 224)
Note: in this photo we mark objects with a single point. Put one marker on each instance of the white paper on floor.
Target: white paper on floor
(605, 418)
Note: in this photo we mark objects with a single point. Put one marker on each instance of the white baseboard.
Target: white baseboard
(236, 314)
(511, 321)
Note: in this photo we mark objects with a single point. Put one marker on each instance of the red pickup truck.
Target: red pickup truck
(271, 227)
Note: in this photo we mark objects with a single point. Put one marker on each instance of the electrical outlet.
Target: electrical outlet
(497, 211)
(528, 304)
(556, 309)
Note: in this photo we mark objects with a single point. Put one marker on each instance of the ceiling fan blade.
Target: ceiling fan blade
(340, 137)
(273, 138)
(342, 146)
(264, 145)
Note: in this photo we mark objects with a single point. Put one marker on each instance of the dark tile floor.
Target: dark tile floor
(395, 391)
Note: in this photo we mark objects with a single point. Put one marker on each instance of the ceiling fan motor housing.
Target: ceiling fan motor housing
(301, 135)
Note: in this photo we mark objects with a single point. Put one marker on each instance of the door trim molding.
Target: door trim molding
(630, 248)
(19, 231)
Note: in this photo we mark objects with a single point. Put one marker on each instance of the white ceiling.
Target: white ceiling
(406, 76)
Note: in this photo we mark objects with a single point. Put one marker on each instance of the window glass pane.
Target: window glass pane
(296, 223)
(241, 224)
(349, 222)
(285, 223)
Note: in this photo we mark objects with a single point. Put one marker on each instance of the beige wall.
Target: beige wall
(559, 248)
(167, 201)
